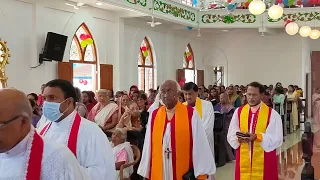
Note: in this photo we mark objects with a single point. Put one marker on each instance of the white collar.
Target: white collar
(64, 123)
(20, 148)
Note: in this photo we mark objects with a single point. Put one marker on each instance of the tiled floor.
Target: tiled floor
(290, 161)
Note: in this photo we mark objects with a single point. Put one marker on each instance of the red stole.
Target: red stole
(270, 158)
(73, 137)
(35, 158)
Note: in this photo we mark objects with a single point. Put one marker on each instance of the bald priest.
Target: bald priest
(24, 155)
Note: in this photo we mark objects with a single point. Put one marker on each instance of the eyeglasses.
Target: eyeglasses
(169, 92)
(9, 121)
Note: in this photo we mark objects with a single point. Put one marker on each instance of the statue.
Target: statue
(4, 60)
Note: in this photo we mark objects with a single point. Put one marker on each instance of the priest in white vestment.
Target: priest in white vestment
(23, 153)
(255, 132)
(122, 152)
(204, 109)
(175, 143)
(83, 137)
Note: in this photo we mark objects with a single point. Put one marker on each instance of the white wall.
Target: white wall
(168, 47)
(26, 26)
(268, 59)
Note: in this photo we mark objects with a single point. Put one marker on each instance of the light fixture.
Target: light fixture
(99, 3)
(305, 31)
(257, 7)
(292, 28)
(275, 12)
(315, 34)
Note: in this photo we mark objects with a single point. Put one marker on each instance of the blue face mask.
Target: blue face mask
(51, 111)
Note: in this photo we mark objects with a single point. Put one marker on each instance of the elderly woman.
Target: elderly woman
(130, 120)
(105, 112)
(122, 152)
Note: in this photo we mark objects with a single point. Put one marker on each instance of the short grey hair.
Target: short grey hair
(177, 84)
(103, 91)
(123, 133)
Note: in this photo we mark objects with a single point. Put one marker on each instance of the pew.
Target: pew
(219, 138)
(277, 108)
(307, 144)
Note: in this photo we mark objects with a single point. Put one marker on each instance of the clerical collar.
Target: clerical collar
(20, 148)
(63, 124)
(254, 109)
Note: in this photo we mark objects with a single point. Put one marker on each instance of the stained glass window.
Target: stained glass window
(84, 59)
(188, 64)
(145, 66)
(86, 53)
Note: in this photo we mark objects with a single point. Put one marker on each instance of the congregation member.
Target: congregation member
(156, 104)
(255, 133)
(23, 153)
(234, 97)
(133, 89)
(80, 107)
(181, 97)
(130, 120)
(105, 112)
(87, 100)
(225, 107)
(214, 97)
(33, 97)
(123, 153)
(293, 98)
(316, 106)
(278, 100)
(40, 99)
(144, 114)
(205, 111)
(175, 143)
(35, 115)
(84, 138)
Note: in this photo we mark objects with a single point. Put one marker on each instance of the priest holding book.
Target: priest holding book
(176, 146)
(255, 132)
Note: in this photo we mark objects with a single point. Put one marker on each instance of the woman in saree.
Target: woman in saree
(316, 106)
(225, 107)
(235, 100)
(105, 112)
(293, 98)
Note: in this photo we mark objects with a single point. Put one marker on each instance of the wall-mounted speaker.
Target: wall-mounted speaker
(54, 47)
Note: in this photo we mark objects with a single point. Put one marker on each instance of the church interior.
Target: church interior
(120, 45)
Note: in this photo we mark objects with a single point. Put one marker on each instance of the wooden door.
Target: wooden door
(106, 76)
(65, 71)
(306, 89)
(180, 74)
(200, 77)
(315, 66)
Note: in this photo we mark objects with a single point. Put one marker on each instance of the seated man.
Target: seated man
(122, 152)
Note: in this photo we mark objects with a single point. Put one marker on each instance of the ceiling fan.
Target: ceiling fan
(154, 24)
(76, 6)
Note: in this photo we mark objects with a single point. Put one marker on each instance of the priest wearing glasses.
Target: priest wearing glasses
(176, 146)
(23, 153)
(61, 123)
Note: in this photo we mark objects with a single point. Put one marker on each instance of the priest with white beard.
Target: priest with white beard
(175, 143)
(205, 111)
(61, 123)
(23, 153)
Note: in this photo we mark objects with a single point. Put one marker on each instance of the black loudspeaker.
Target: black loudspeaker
(54, 47)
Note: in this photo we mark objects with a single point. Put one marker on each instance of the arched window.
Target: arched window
(145, 66)
(188, 65)
(83, 55)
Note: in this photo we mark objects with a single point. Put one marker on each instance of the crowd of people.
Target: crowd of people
(62, 113)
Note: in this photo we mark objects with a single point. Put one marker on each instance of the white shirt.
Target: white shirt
(272, 138)
(58, 163)
(94, 151)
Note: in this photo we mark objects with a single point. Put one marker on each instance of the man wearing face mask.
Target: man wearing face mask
(255, 132)
(84, 138)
